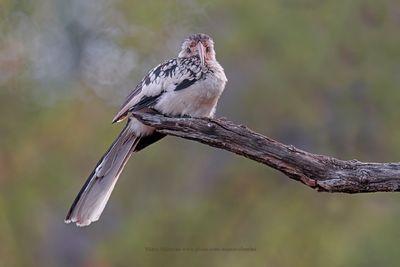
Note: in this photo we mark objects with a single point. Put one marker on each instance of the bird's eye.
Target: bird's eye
(208, 49)
(188, 50)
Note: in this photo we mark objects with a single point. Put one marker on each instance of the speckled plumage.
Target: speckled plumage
(190, 84)
(173, 75)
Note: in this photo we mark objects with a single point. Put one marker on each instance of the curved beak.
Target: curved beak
(202, 52)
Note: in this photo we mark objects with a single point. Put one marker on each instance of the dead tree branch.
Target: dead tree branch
(316, 171)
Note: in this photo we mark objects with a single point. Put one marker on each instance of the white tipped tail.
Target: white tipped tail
(93, 197)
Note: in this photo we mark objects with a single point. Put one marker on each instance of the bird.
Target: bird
(188, 85)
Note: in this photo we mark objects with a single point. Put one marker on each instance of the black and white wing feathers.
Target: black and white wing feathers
(174, 74)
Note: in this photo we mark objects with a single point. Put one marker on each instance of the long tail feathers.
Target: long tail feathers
(93, 197)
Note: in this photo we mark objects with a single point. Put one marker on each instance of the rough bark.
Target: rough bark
(320, 172)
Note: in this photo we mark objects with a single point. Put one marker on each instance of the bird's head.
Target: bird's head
(200, 45)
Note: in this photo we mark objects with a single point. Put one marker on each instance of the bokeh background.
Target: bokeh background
(321, 75)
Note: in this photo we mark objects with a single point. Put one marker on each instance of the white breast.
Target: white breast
(198, 100)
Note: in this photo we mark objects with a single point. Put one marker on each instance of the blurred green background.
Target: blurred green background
(321, 75)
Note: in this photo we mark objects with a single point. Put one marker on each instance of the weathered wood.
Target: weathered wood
(320, 172)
